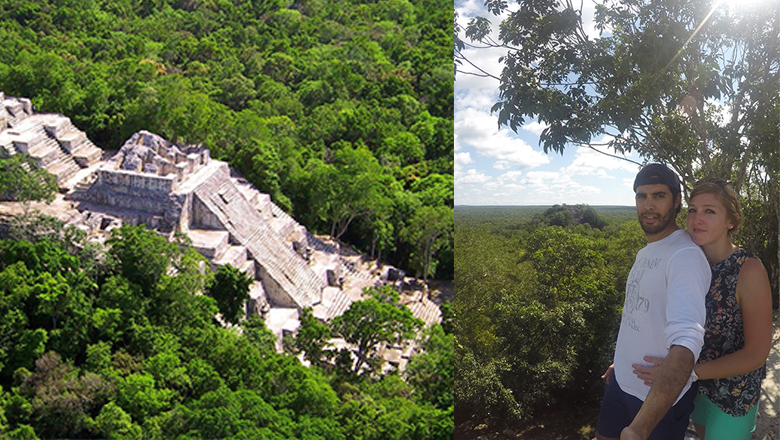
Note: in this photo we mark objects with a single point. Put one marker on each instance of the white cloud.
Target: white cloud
(535, 127)
(511, 175)
(485, 58)
(463, 158)
(479, 130)
(592, 163)
(555, 187)
(472, 177)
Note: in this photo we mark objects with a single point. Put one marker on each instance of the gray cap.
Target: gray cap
(655, 173)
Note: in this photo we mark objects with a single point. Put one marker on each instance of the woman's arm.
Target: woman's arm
(755, 300)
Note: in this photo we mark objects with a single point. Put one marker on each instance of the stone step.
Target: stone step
(349, 268)
(340, 305)
(282, 321)
(7, 150)
(65, 169)
(209, 243)
(246, 225)
(334, 303)
(236, 256)
(31, 123)
(319, 245)
(250, 193)
(263, 205)
(48, 152)
(426, 310)
(87, 154)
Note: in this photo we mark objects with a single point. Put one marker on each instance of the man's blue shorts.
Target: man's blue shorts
(618, 409)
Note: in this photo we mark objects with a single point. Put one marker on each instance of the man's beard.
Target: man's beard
(666, 220)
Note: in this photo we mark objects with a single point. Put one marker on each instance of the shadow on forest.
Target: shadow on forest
(565, 422)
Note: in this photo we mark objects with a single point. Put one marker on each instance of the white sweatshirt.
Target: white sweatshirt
(664, 306)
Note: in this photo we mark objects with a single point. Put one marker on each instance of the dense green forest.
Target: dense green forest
(120, 342)
(537, 306)
(341, 111)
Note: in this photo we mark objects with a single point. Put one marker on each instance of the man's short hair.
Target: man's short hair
(655, 173)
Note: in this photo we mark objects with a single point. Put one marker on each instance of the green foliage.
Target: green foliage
(353, 186)
(431, 373)
(21, 180)
(560, 288)
(653, 81)
(62, 400)
(431, 228)
(285, 93)
(230, 289)
(312, 338)
(372, 321)
(564, 216)
(115, 423)
(479, 386)
(141, 257)
(271, 87)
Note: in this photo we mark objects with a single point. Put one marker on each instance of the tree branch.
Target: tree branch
(460, 56)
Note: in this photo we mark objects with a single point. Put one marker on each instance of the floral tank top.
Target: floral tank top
(724, 334)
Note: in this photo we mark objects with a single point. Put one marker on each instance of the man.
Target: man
(663, 313)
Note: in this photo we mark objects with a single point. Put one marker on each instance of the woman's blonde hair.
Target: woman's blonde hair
(724, 193)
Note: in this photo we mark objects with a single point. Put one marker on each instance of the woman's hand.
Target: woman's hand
(647, 372)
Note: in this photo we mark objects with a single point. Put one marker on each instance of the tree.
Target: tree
(61, 398)
(312, 338)
(230, 289)
(431, 372)
(142, 256)
(370, 322)
(21, 179)
(353, 186)
(115, 423)
(430, 228)
(655, 81)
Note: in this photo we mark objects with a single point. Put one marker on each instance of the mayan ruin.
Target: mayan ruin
(180, 189)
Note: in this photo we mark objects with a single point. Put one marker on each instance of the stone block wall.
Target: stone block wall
(144, 182)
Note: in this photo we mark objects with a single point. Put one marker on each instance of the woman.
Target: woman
(738, 331)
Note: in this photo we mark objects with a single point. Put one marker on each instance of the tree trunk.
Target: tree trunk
(776, 269)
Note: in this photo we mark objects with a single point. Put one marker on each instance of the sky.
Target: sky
(496, 166)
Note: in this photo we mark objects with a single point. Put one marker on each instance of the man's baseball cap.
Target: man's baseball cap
(655, 173)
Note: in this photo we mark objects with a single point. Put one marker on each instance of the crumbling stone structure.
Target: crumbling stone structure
(174, 188)
(51, 139)
(179, 189)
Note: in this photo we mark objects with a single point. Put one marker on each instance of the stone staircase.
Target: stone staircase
(13, 110)
(274, 258)
(76, 143)
(347, 266)
(55, 143)
(282, 223)
(334, 303)
(424, 309)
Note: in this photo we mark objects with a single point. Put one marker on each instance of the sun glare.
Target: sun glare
(737, 5)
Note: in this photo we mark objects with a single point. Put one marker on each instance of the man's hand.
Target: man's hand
(608, 374)
(629, 434)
